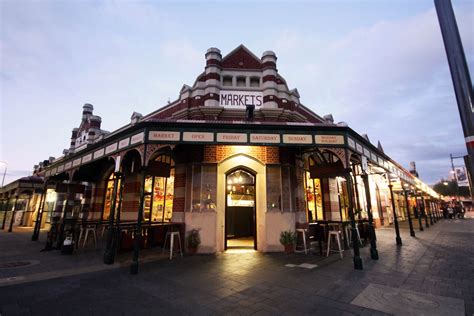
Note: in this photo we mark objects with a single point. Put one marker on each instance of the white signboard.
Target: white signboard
(297, 139)
(124, 143)
(87, 158)
(111, 148)
(164, 135)
(137, 138)
(239, 99)
(99, 153)
(265, 138)
(329, 139)
(461, 177)
(198, 137)
(232, 137)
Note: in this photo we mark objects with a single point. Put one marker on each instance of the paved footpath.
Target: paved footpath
(432, 274)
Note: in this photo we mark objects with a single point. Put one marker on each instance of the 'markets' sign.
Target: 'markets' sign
(240, 98)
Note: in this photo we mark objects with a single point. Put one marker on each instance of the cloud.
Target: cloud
(390, 80)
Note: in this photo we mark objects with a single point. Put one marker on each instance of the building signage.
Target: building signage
(232, 137)
(87, 158)
(53, 171)
(297, 139)
(61, 168)
(329, 139)
(76, 162)
(68, 165)
(359, 148)
(351, 142)
(240, 99)
(373, 156)
(265, 138)
(124, 143)
(164, 135)
(198, 137)
(98, 153)
(366, 152)
(137, 138)
(110, 148)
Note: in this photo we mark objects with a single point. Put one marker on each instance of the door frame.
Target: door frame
(254, 213)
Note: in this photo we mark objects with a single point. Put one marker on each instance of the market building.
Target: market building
(236, 156)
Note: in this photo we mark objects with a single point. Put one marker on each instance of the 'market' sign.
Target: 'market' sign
(240, 98)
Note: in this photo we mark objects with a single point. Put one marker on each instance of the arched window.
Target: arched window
(109, 189)
(159, 191)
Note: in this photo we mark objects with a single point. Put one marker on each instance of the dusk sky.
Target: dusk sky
(380, 66)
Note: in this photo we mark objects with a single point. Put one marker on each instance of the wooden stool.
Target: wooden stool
(337, 236)
(302, 231)
(172, 235)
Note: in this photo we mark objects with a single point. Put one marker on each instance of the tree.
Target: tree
(448, 188)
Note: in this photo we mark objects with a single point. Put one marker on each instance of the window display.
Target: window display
(109, 189)
(159, 194)
(314, 198)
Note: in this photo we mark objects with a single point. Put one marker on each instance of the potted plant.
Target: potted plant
(193, 240)
(288, 240)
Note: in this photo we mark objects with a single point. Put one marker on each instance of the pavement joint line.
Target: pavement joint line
(21, 279)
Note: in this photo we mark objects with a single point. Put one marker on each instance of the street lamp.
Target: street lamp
(395, 219)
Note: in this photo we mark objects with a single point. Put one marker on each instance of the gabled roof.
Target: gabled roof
(241, 58)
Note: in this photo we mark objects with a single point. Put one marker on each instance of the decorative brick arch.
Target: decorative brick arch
(152, 149)
(338, 152)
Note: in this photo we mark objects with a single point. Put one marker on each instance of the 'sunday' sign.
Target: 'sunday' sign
(240, 98)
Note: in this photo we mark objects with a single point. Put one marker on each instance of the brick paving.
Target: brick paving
(439, 261)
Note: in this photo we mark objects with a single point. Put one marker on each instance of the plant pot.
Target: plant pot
(192, 251)
(289, 248)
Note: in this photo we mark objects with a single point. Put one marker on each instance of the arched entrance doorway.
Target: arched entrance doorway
(240, 210)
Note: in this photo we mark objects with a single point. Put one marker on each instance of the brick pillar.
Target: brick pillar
(179, 194)
(130, 197)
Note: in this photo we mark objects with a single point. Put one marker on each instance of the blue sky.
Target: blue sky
(380, 66)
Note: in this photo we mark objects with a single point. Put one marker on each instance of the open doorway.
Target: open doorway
(240, 215)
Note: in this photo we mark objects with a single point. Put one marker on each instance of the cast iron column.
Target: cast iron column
(418, 205)
(412, 232)
(355, 240)
(109, 251)
(459, 75)
(423, 210)
(39, 216)
(374, 254)
(430, 214)
(138, 234)
(5, 213)
(395, 219)
(116, 227)
(13, 214)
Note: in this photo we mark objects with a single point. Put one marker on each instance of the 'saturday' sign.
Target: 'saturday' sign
(240, 98)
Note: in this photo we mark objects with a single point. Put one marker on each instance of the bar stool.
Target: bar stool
(172, 235)
(91, 229)
(349, 235)
(337, 236)
(302, 231)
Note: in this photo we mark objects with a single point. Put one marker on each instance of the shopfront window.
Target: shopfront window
(109, 189)
(159, 192)
(314, 198)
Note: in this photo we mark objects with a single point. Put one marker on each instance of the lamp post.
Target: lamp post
(419, 211)
(412, 232)
(395, 220)
(374, 254)
(423, 210)
(109, 254)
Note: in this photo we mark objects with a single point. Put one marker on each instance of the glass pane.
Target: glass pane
(310, 198)
(240, 189)
(319, 198)
(158, 199)
(169, 197)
